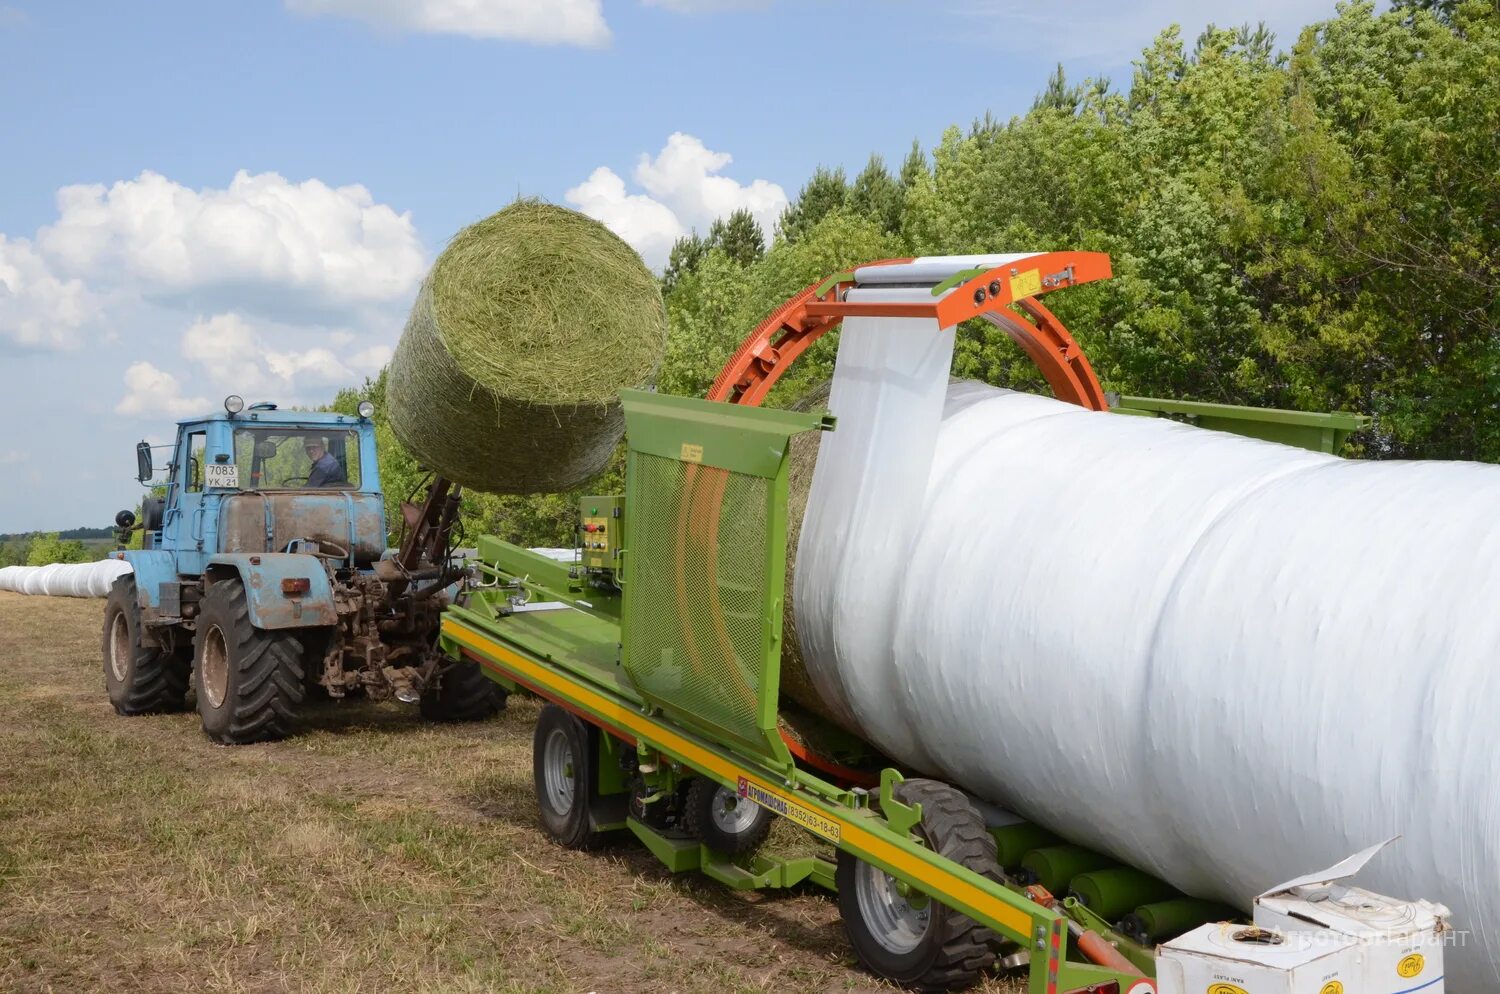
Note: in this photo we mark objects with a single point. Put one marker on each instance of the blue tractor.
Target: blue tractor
(264, 578)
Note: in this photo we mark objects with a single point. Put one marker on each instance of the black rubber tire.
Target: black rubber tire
(565, 818)
(703, 795)
(462, 692)
(263, 678)
(151, 681)
(955, 951)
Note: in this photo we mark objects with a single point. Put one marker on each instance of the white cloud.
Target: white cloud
(684, 175)
(648, 225)
(238, 357)
(150, 392)
(38, 309)
(544, 22)
(684, 191)
(263, 242)
(707, 6)
(13, 457)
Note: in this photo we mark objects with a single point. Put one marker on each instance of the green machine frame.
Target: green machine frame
(688, 673)
(1303, 429)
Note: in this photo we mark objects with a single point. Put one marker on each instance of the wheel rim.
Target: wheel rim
(213, 675)
(731, 814)
(557, 771)
(899, 922)
(119, 646)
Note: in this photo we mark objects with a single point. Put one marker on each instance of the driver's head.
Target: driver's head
(314, 448)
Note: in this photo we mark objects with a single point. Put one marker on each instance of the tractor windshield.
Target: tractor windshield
(286, 458)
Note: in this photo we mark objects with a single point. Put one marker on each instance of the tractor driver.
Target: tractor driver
(325, 469)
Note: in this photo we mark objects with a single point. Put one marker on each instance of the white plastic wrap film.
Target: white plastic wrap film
(64, 579)
(894, 374)
(1225, 661)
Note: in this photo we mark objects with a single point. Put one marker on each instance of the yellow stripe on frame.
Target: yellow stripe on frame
(856, 835)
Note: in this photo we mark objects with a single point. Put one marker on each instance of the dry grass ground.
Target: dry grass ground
(370, 853)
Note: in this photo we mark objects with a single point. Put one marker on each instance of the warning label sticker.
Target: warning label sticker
(774, 800)
(1027, 284)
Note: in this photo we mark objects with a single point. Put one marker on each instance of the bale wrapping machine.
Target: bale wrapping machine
(659, 652)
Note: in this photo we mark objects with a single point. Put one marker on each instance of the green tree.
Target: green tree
(702, 314)
(825, 193)
(47, 548)
(1378, 227)
(877, 195)
(15, 551)
(739, 236)
(913, 167)
(687, 252)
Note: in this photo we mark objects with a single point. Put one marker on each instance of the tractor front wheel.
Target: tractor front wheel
(461, 692)
(139, 679)
(249, 680)
(902, 934)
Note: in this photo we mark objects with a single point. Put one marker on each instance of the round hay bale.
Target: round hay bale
(803, 457)
(526, 329)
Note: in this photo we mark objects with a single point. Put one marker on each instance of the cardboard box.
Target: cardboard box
(1400, 942)
(1240, 959)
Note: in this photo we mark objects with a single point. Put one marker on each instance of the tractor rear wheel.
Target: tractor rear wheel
(903, 935)
(723, 820)
(461, 692)
(249, 680)
(139, 679)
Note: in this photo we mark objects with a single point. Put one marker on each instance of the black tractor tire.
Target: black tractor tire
(563, 752)
(722, 820)
(933, 948)
(462, 692)
(249, 680)
(139, 679)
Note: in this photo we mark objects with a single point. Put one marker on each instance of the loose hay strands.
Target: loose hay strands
(526, 329)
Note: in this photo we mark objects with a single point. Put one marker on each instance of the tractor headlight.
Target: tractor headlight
(366, 409)
(234, 403)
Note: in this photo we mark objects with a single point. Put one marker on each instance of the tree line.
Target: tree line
(1312, 229)
(41, 548)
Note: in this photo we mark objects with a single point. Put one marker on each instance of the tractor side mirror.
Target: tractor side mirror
(143, 468)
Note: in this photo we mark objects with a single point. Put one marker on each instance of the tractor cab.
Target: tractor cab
(259, 480)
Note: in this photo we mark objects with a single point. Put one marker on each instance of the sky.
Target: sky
(199, 199)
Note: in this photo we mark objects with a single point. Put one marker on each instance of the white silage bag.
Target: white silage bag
(1222, 660)
(64, 579)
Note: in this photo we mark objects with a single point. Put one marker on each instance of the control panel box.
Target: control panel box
(601, 531)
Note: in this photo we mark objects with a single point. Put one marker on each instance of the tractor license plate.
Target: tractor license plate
(221, 475)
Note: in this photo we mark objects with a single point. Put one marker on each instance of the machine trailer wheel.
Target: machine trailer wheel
(139, 679)
(900, 933)
(461, 692)
(722, 820)
(249, 680)
(562, 764)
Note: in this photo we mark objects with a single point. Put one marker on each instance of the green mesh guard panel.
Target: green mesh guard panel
(696, 597)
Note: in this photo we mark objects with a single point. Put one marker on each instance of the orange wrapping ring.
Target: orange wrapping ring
(766, 353)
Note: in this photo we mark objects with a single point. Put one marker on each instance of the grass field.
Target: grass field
(372, 853)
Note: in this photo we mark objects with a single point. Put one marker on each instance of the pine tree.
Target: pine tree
(877, 195)
(825, 193)
(687, 254)
(739, 236)
(914, 166)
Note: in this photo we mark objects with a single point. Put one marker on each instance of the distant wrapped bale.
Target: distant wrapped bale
(530, 323)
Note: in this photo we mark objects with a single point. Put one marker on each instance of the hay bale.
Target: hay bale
(530, 323)
(796, 684)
